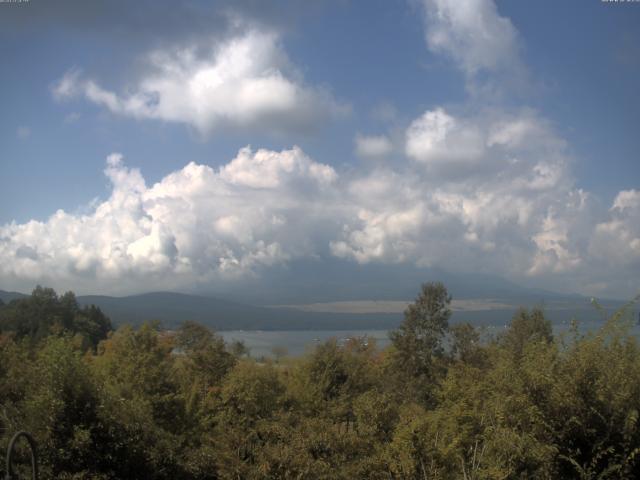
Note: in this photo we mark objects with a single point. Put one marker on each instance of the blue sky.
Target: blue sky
(497, 137)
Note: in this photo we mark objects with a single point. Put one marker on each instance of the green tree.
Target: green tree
(465, 344)
(332, 376)
(142, 403)
(526, 327)
(418, 341)
(250, 396)
(239, 349)
(45, 313)
(203, 360)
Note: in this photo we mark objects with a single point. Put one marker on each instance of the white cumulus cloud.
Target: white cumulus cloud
(627, 199)
(438, 138)
(200, 226)
(246, 81)
(196, 225)
(473, 33)
(490, 191)
(268, 169)
(617, 240)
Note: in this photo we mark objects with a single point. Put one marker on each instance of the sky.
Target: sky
(190, 146)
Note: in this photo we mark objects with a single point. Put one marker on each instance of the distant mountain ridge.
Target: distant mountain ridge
(171, 309)
(308, 281)
(6, 297)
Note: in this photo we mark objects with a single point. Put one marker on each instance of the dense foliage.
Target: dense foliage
(45, 313)
(442, 402)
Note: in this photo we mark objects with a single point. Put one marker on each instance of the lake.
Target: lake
(297, 342)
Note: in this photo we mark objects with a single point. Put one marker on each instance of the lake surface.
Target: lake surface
(298, 342)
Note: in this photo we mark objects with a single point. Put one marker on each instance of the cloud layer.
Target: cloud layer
(469, 188)
(509, 207)
(245, 82)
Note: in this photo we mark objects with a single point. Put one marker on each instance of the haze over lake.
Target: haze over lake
(299, 342)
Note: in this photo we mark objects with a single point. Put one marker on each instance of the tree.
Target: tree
(206, 358)
(527, 327)
(92, 324)
(64, 405)
(45, 313)
(465, 344)
(141, 403)
(249, 397)
(418, 340)
(239, 349)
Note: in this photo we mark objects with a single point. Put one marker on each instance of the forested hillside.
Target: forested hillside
(443, 402)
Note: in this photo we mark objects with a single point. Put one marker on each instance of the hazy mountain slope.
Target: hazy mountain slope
(6, 297)
(334, 280)
(173, 308)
